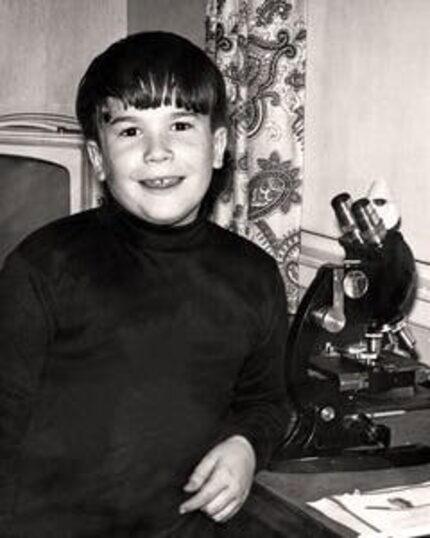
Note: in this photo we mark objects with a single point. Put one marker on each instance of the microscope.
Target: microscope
(351, 356)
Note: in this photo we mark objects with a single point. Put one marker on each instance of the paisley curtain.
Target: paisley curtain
(259, 46)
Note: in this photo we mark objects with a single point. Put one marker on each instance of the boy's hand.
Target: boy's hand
(222, 480)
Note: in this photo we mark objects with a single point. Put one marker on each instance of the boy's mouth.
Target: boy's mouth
(161, 182)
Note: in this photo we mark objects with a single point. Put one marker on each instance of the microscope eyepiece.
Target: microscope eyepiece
(342, 205)
(371, 225)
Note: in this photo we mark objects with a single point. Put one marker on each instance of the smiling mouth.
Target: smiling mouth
(161, 182)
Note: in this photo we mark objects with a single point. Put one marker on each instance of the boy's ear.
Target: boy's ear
(96, 159)
(219, 146)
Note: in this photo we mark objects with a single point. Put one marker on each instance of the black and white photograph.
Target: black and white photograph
(214, 268)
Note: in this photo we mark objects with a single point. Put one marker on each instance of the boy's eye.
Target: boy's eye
(182, 126)
(129, 131)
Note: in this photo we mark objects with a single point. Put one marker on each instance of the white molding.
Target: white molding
(317, 249)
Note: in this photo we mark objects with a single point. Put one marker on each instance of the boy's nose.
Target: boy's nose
(156, 149)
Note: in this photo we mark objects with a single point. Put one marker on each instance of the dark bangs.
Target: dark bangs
(148, 70)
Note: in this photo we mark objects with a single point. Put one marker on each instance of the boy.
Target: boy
(141, 345)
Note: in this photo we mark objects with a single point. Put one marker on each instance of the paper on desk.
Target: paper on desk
(396, 512)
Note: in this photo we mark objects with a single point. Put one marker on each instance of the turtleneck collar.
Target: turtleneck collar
(145, 235)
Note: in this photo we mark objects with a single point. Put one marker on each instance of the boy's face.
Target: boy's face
(158, 161)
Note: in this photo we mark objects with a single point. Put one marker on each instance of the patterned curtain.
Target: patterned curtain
(259, 45)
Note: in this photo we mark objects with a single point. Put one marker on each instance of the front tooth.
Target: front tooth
(162, 182)
(166, 181)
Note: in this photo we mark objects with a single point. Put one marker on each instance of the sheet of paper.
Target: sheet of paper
(396, 512)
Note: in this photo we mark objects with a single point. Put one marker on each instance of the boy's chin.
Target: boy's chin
(158, 216)
(173, 220)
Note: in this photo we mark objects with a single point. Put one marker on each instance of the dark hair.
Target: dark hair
(150, 69)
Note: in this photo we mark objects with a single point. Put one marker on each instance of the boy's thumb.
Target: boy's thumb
(201, 473)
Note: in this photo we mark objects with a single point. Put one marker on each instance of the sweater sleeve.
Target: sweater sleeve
(24, 337)
(260, 410)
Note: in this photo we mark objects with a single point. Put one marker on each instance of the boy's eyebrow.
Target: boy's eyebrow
(181, 113)
(112, 120)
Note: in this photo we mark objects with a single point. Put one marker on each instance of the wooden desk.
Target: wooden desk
(279, 499)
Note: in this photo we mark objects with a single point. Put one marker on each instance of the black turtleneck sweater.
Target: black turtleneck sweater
(128, 350)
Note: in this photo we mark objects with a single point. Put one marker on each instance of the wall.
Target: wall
(45, 45)
(368, 107)
(368, 117)
(183, 17)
